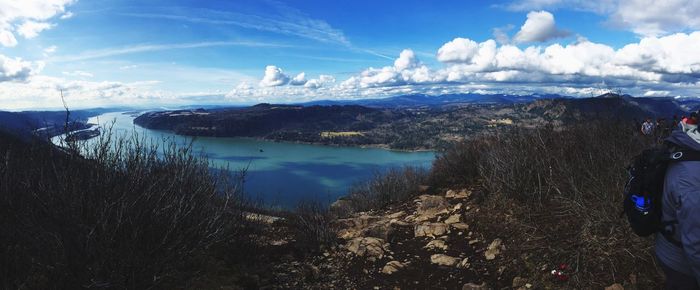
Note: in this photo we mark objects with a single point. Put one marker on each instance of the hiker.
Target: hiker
(648, 127)
(678, 250)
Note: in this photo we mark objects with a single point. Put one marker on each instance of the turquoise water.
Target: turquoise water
(282, 173)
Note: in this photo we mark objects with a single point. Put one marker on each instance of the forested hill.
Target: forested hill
(425, 127)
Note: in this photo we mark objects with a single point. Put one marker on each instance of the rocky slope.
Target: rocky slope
(451, 240)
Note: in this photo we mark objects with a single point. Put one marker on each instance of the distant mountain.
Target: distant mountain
(422, 100)
(23, 123)
(607, 106)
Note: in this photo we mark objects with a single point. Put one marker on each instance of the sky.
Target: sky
(102, 53)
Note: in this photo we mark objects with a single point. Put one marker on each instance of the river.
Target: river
(282, 173)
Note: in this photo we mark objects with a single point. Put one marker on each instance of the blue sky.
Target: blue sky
(102, 53)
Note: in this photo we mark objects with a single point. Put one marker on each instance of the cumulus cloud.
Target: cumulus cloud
(539, 27)
(644, 17)
(274, 77)
(321, 81)
(16, 69)
(28, 17)
(298, 80)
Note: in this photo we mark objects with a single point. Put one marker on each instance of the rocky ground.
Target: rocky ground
(444, 241)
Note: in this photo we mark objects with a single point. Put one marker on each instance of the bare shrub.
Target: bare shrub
(311, 223)
(383, 189)
(124, 213)
(566, 184)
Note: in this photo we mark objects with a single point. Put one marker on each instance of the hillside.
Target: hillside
(411, 128)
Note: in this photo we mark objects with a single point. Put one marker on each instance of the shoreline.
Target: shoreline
(364, 146)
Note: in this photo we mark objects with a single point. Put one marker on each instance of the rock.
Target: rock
(472, 286)
(615, 286)
(392, 267)
(457, 207)
(364, 225)
(464, 264)
(430, 229)
(444, 260)
(493, 249)
(367, 247)
(430, 206)
(379, 230)
(453, 219)
(459, 226)
(519, 282)
(462, 194)
(474, 241)
(396, 215)
(398, 223)
(436, 244)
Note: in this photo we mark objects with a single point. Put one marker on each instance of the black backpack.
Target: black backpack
(645, 186)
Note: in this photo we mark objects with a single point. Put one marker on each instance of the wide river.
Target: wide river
(282, 173)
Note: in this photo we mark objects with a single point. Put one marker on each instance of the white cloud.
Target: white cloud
(407, 59)
(31, 29)
(539, 27)
(67, 15)
(298, 80)
(32, 14)
(643, 17)
(274, 77)
(651, 18)
(7, 39)
(322, 80)
(78, 73)
(16, 69)
(50, 50)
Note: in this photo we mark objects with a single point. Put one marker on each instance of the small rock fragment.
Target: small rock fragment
(444, 260)
(436, 244)
(453, 219)
(392, 267)
(472, 286)
(493, 249)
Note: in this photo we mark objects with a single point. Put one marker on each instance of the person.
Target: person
(679, 252)
(648, 127)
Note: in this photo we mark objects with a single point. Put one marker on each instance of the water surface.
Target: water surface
(282, 173)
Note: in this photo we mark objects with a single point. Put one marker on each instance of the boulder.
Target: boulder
(369, 247)
(430, 206)
(392, 267)
(430, 229)
(436, 244)
(444, 260)
(493, 249)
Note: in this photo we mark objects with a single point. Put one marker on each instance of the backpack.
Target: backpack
(645, 186)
